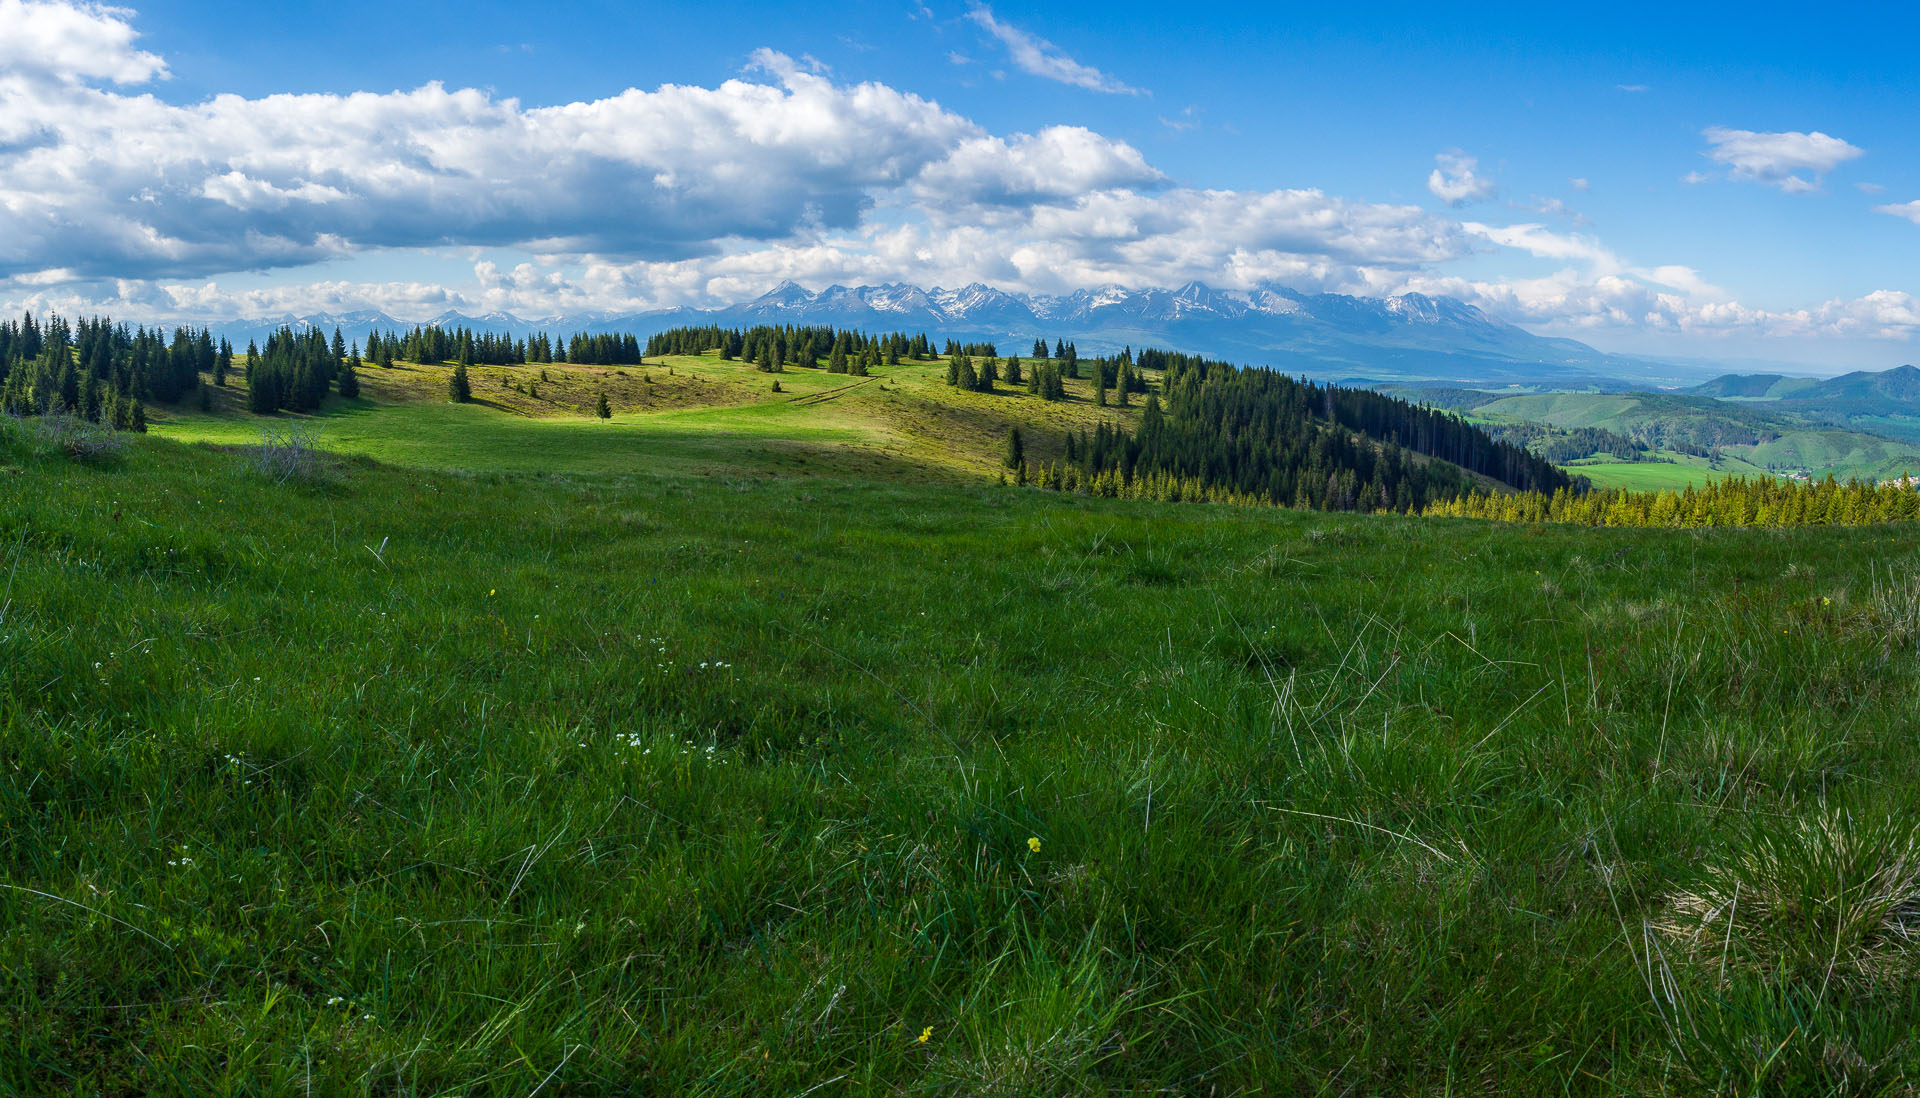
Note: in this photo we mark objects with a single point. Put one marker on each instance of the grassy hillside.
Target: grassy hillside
(679, 415)
(1754, 437)
(410, 782)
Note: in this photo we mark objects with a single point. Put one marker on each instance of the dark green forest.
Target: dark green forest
(1257, 435)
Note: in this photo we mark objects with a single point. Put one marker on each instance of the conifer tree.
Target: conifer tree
(1016, 454)
(605, 410)
(458, 391)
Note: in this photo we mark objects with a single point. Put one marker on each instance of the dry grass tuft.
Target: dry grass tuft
(1830, 898)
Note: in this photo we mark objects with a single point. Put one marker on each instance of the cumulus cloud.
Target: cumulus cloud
(1780, 160)
(69, 41)
(1908, 210)
(647, 197)
(1058, 163)
(124, 203)
(1456, 181)
(1038, 57)
(118, 184)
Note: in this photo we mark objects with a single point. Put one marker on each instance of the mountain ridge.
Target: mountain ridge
(1358, 340)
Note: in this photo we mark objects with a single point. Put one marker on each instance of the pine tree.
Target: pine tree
(458, 390)
(605, 410)
(349, 381)
(1016, 455)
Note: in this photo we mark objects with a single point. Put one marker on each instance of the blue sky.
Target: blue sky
(1716, 181)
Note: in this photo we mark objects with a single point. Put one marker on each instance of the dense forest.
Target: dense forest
(1733, 501)
(1256, 435)
(1563, 444)
(101, 371)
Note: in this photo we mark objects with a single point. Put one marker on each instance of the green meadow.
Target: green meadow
(682, 772)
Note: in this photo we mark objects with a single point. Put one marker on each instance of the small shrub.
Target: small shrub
(290, 452)
(84, 442)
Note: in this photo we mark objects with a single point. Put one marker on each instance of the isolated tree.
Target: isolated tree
(458, 390)
(1016, 454)
(604, 409)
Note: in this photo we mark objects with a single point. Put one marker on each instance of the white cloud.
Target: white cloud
(129, 185)
(1908, 210)
(1633, 88)
(1058, 163)
(126, 204)
(1580, 183)
(1695, 178)
(73, 41)
(1455, 181)
(1039, 57)
(1869, 188)
(1778, 159)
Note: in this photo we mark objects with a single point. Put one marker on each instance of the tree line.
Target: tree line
(1730, 501)
(102, 371)
(431, 345)
(1257, 435)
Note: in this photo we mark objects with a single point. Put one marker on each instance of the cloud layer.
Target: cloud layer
(114, 199)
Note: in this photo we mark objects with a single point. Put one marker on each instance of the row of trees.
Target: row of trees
(773, 348)
(1733, 501)
(427, 344)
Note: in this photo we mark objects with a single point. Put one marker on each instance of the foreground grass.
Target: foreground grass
(432, 783)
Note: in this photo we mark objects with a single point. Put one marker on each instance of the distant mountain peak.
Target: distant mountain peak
(1413, 336)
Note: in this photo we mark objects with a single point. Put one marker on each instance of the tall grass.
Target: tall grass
(410, 783)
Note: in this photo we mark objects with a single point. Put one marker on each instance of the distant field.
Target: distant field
(1672, 470)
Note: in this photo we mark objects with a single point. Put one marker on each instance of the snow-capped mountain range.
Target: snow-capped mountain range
(1410, 337)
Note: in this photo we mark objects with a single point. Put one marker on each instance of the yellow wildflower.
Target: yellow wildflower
(1033, 844)
(926, 1033)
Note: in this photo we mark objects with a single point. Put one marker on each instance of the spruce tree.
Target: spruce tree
(1016, 454)
(458, 391)
(349, 381)
(605, 410)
